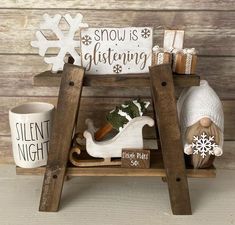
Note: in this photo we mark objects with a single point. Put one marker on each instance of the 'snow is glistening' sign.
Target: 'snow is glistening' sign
(116, 50)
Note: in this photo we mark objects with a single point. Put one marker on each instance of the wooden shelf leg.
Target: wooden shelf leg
(61, 137)
(163, 95)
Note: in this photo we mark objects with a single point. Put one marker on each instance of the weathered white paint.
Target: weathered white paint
(116, 50)
(65, 42)
(129, 137)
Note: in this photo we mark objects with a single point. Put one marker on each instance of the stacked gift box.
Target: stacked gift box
(183, 60)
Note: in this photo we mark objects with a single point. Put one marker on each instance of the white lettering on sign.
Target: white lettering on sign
(116, 50)
(135, 158)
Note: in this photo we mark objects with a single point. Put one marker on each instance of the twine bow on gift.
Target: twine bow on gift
(157, 49)
(191, 51)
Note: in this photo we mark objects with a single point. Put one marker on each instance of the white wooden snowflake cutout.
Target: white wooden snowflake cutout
(65, 42)
(203, 145)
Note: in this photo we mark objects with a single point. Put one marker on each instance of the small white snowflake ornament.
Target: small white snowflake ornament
(203, 145)
(65, 42)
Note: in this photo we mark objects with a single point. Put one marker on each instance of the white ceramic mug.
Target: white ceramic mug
(30, 125)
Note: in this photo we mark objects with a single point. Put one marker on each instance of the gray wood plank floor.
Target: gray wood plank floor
(106, 200)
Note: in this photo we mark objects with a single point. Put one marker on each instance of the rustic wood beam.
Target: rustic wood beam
(61, 136)
(164, 101)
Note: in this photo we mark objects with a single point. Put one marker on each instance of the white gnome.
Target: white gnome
(201, 119)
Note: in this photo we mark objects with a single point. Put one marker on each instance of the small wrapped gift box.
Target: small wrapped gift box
(184, 61)
(161, 56)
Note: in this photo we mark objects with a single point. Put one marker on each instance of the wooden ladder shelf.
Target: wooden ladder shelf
(169, 162)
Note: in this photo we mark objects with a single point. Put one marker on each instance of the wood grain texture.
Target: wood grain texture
(118, 172)
(97, 108)
(223, 85)
(215, 29)
(211, 31)
(123, 5)
(48, 79)
(6, 154)
(27, 66)
(164, 102)
(61, 137)
(219, 71)
(224, 162)
(157, 169)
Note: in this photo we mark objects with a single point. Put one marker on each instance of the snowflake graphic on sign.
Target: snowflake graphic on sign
(145, 33)
(65, 42)
(117, 68)
(203, 145)
(86, 40)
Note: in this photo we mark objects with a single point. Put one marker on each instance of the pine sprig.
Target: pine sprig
(122, 114)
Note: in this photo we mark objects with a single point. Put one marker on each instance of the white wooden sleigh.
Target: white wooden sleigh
(129, 137)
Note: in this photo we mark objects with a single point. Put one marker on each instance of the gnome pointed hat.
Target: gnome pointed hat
(199, 102)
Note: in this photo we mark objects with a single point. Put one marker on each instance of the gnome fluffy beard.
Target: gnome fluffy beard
(206, 126)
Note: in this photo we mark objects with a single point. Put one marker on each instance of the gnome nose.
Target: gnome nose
(205, 122)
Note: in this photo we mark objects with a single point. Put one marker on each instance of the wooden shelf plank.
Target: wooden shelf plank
(118, 172)
(156, 170)
(49, 79)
